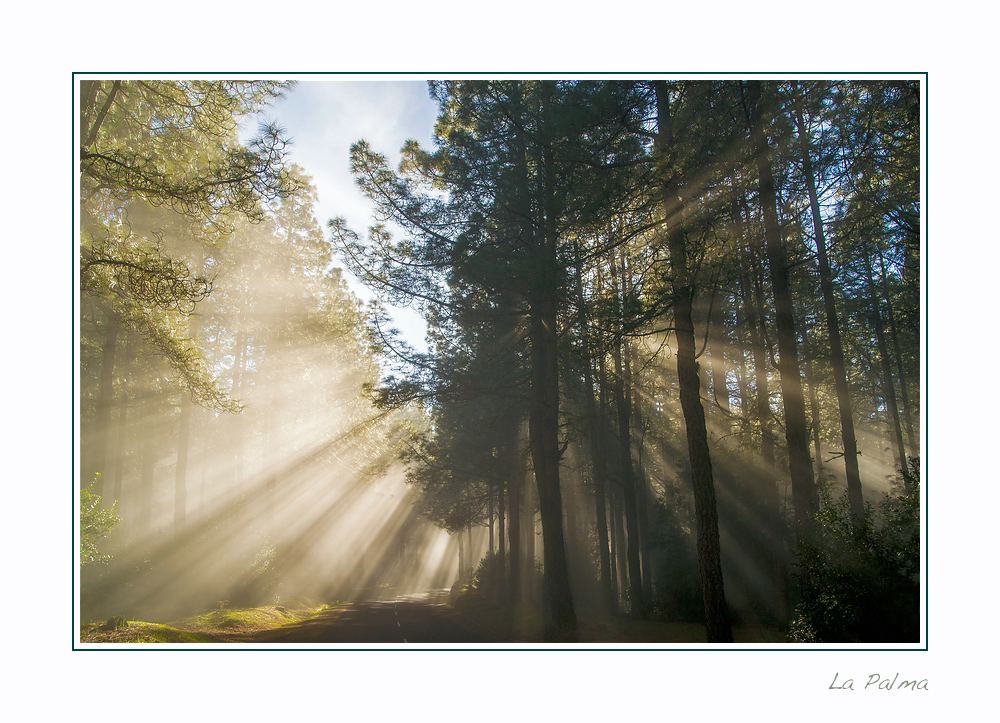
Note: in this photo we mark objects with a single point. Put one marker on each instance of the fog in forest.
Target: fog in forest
(658, 313)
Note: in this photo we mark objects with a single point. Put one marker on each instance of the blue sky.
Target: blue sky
(324, 117)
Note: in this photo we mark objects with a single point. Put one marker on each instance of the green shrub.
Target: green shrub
(862, 585)
(95, 524)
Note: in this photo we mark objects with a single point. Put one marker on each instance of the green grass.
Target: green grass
(228, 625)
(157, 633)
(271, 616)
(139, 631)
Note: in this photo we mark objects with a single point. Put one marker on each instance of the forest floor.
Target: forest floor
(404, 620)
(526, 626)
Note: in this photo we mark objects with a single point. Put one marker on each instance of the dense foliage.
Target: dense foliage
(863, 585)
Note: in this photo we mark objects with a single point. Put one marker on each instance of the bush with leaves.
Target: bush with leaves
(95, 524)
(861, 584)
(488, 578)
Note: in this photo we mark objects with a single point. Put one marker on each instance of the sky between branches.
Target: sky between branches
(323, 118)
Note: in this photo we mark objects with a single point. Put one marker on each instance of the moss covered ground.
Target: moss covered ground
(227, 625)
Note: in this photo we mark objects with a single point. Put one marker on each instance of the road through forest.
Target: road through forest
(422, 618)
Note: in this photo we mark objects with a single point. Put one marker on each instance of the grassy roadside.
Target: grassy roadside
(236, 625)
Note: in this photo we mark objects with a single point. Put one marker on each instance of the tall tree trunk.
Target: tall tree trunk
(502, 553)
(514, 495)
(609, 492)
(543, 432)
(624, 409)
(491, 513)
(89, 93)
(639, 477)
(761, 354)
(599, 466)
(596, 439)
(543, 418)
(903, 394)
(753, 312)
(706, 513)
(180, 472)
(120, 448)
(804, 494)
(854, 491)
(528, 577)
(469, 553)
(759, 407)
(147, 465)
(102, 414)
(642, 500)
(620, 564)
(814, 414)
(888, 387)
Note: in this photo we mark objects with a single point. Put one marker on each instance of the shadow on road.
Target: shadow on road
(423, 618)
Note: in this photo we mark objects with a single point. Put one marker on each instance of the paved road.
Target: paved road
(420, 618)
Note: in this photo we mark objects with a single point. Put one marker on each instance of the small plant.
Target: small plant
(95, 524)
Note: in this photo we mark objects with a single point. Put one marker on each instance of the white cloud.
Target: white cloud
(324, 117)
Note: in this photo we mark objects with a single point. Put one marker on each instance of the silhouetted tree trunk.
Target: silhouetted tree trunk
(543, 416)
(804, 494)
(888, 387)
(469, 552)
(761, 354)
(903, 394)
(753, 313)
(618, 547)
(814, 413)
(599, 466)
(596, 442)
(528, 579)
(502, 552)
(514, 495)
(642, 500)
(848, 437)
(623, 405)
(614, 540)
(640, 480)
(544, 436)
(706, 514)
(491, 513)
